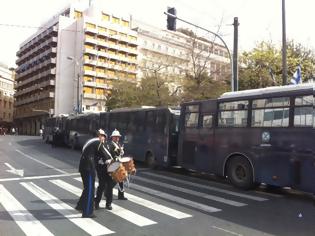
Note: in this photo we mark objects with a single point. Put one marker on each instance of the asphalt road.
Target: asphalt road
(40, 185)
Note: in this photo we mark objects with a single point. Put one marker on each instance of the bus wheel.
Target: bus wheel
(240, 173)
(150, 160)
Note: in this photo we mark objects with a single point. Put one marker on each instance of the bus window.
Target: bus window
(207, 120)
(191, 116)
(303, 111)
(265, 116)
(271, 102)
(233, 114)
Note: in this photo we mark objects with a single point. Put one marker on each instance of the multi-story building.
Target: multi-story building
(69, 64)
(176, 54)
(6, 96)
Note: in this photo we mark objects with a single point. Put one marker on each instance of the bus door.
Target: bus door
(205, 151)
(196, 137)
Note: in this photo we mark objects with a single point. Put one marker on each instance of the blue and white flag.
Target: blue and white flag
(297, 76)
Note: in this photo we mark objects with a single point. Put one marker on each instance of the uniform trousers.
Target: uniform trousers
(87, 197)
(105, 184)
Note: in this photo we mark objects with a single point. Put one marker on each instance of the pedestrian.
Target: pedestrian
(41, 132)
(117, 151)
(55, 137)
(105, 181)
(13, 131)
(87, 168)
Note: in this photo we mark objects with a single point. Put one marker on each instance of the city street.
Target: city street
(40, 186)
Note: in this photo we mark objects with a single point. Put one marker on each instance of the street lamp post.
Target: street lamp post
(78, 109)
(199, 27)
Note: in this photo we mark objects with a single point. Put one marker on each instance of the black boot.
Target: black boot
(96, 205)
(121, 196)
(109, 207)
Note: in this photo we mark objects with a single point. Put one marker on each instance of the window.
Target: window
(192, 116)
(271, 102)
(271, 112)
(303, 116)
(278, 117)
(207, 121)
(238, 105)
(232, 118)
(303, 111)
(233, 114)
(191, 120)
(305, 100)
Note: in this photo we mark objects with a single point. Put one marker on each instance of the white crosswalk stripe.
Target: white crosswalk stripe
(173, 198)
(24, 219)
(192, 192)
(117, 210)
(242, 195)
(154, 206)
(176, 199)
(86, 224)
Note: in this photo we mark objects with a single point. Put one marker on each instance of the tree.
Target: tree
(151, 91)
(205, 77)
(262, 66)
(123, 94)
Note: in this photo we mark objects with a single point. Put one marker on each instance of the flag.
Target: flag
(297, 76)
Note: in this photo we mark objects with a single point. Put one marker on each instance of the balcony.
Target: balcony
(36, 98)
(90, 84)
(90, 40)
(89, 95)
(91, 51)
(35, 87)
(91, 30)
(90, 72)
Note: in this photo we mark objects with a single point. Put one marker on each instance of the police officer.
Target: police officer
(117, 151)
(105, 181)
(87, 170)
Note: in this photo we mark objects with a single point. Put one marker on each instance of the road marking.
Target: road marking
(88, 225)
(14, 171)
(24, 219)
(227, 231)
(39, 177)
(117, 210)
(194, 193)
(43, 163)
(260, 199)
(173, 198)
(157, 207)
(154, 206)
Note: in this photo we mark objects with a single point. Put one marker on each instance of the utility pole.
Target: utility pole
(284, 47)
(235, 55)
(78, 95)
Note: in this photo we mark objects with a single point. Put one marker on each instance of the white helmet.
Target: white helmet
(102, 132)
(115, 133)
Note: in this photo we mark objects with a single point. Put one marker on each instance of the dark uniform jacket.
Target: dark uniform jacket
(115, 150)
(89, 156)
(103, 154)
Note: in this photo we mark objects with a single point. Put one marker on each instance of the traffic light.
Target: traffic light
(171, 21)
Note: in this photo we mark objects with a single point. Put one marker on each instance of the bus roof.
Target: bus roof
(268, 90)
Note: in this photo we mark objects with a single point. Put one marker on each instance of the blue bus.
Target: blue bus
(149, 134)
(252, 136)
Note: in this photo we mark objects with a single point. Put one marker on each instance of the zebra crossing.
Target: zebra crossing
(148, 199)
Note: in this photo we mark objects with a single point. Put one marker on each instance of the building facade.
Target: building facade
(69, 64)
(175, 54)
(6, 97)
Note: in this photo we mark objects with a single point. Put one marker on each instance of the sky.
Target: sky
(259, 19)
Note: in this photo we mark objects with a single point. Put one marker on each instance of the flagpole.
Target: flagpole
(284, 47)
